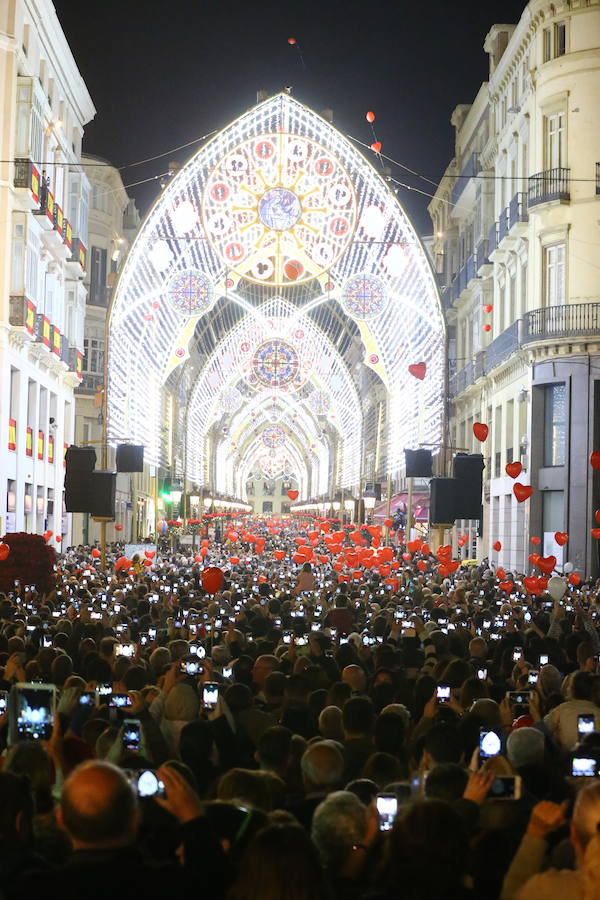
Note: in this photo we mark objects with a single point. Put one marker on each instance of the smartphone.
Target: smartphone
(543, 659)
(88, 698)
(443, 693)
(148, 784)
(586, 724)
(517, 654)
(3, 702)
(408, 629)
(46, 641)
(387, 809)
(152, 634)
(131, 734)
(210, 695)
(489, 744)
(287, 637)
(191, 667)
(104, 689)
(31, 709)
(125, 650)
(482, 673)
(120, 701)
(533, 676)
(227, 672)
(584, 766)
(506, 787)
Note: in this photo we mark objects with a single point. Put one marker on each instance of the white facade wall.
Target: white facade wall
(517, 228)
(44, 106)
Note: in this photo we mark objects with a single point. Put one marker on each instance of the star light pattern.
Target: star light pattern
(272, 257)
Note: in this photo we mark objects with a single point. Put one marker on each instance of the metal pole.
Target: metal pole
(409, 511)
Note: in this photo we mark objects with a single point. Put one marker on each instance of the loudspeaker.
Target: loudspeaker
(103, 493)
(78, 490)
(468, 471)
(80, 459)
(419, 463)
(441, 501)
(130, 458)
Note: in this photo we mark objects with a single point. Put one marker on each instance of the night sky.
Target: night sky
(164, 72)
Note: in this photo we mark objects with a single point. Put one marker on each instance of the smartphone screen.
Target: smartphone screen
(482, 674)
(148, 784)
(443, 693)
(387, 808)
(586, 724)
(583, 766)
(131, 734)
(120, 701)
(35, 705)
(210, 695)
(489, 744)
(506, 787)
(543, 659)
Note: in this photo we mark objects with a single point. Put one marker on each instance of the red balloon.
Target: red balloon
(279, 554)
(513, 469)
(118, 528)
(596, 533)
(212, 579)
(150, 554)
(480, 431)
(421, 565)
(500, 574)
(4, 551)
(234, 560)
(597, 516)
(406, 557)
(293, 495)
(487, 327)
(58, 538)
(370, 117)
(546, 564)
(96, 553)
(323, 560)
(299, 558)
(536, 540)
(47, 535)
(534, 558)
(595, 459)
(292, 41)
(574, 579)
(204, 543)
(561, 538)
(522, 491)
(506, 586)
(203, 551)
(388, 523)
(497, 545)
(418, 370)
(488, 307)
(147, 562)
(358, 575)
(376, 146)
(233, 536)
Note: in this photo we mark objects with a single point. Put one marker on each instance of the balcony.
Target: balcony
(470, 170)
(503, 225)
(42, 330)
(481, 256)
(46, 210)
(91, 382)
(492, 239)
(27, 182)
(502, 347)
(517, 213)
(76, 262)
(568, 321)
(549, 186)
(21, 313)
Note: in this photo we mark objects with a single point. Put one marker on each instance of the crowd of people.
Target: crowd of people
(294, 736)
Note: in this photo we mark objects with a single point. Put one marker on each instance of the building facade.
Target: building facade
(113, 222)
(44, 198)
(516, 224)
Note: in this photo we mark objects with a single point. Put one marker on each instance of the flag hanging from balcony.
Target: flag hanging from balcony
(56, 340)
(30, 317)
(50, 449)
(12, 434)
(29, 442)
(35, 184)
(40, 454)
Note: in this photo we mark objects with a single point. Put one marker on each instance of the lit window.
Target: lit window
(555, 424)
(554, 293)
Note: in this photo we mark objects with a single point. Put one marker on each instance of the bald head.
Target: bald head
(356, 678)
(330, 723)
(98, 807)
(322, 766)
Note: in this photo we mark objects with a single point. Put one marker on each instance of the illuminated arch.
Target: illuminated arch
(279, 218)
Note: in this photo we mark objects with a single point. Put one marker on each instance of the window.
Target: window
(267, 506)
(560, 39)
(555, 424)
(555, 141)
(554, 287)
(93, 359)
(547, 38)
(553, 511)
(97, 295)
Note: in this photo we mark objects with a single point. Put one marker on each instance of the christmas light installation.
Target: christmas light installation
(276, 249)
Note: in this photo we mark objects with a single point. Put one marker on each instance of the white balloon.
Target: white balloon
(557, 587)
(568, 568)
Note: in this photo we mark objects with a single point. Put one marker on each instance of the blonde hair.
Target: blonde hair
(591, 869)
(586, 813)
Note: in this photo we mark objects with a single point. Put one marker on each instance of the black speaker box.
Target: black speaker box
(78, 490)
(468, 471)
(441, 501)
(80, 459)
(130, 458)
(419, 463)
(104, 489)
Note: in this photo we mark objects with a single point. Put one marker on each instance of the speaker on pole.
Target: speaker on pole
(103, 494)
(441, 501)
(78, 491)
(468, 471)
(419, 463)
(80, 459)
(130, 458)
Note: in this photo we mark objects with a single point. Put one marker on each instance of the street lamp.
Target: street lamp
(349, 508)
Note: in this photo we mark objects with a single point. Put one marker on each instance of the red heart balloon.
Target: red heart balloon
(453, 565)
(299, 558)
(546, 564)
(376, 146)
(388, 523)
(197, 558)
(533, 558)
(500, 574)
(279, 554)
(595, 459)
(234, 560)
(506, 586)
(596, 533)
(425, 550)
(418, 370)
(480, 431)
(444, 571)
(532, 584)
(574, 579)
(118, 528)
(4, 551)
(522, 491)
(293, 495)
(497, 545)
(47, 535)
(513, 469)
(96, 553)
(149, 554)
(561, 538)
(406, 557)
(536, 540)
(323, 559)
(212, 579)
(421, 565)
(384, 570)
